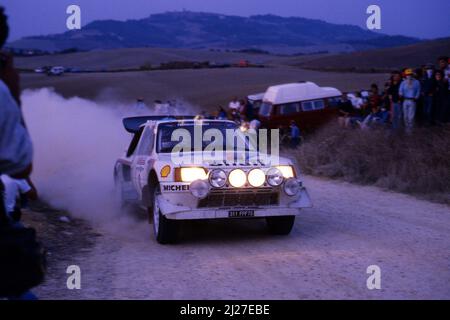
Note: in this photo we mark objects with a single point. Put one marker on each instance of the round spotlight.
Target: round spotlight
(237, 178)
(291, 187)
(256, 177)
(274, 177)
(199, 188)
(218, 178)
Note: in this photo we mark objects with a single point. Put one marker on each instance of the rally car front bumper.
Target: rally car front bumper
(184, 206)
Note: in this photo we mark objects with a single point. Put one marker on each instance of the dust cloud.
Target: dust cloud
(76, 143)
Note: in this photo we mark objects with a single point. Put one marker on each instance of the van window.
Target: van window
(319, 105)
(307, 106)
(265, 110)
(289, 108)
(256, 104)
(313, 105)
(334, 102)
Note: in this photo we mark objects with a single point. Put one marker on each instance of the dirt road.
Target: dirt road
(325, 257)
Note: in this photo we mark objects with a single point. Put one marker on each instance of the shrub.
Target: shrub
(418, 163)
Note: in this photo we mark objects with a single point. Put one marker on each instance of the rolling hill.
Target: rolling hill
(185, 29)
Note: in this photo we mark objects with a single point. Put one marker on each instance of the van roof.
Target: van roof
(256, 96)
(292, 92)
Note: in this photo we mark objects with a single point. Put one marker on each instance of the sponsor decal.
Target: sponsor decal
(176, 187)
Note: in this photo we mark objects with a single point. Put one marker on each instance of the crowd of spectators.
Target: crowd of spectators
(409, 98)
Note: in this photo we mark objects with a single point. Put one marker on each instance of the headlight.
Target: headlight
(237, 178)
(287, 171)
(256, 177)
(274, 177)
(218, 178)
(190, 174)
(199, 188)
(291, 187)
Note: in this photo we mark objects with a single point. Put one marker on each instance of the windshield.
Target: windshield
(169, 136)
(265, 109)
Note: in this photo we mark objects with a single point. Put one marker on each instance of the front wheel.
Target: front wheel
(280, 225)
(165, 230)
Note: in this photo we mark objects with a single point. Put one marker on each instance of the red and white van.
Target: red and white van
(309, 105)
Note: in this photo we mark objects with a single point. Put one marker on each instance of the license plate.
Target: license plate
(241, 213)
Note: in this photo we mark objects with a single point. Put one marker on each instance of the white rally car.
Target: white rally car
(233, 187)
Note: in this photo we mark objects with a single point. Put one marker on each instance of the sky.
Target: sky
(425, 19)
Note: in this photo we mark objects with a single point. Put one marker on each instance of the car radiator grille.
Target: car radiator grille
(245, 198)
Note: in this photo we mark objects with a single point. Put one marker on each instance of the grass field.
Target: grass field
(135, 57)
(206, 88)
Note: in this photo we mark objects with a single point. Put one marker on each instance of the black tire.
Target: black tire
(280, 225)
(165, 230)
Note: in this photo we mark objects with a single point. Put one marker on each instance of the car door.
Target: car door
(141, 161)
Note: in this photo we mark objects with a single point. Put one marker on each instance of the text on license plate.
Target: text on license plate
(241, 213)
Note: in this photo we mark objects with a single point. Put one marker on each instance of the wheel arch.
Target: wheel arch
(147, 191)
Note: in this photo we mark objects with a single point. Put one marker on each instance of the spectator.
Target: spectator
(428, 85)
(15, 143)
(243, 108)
(420, 112)
(374, 96)
(358, 113)
(376, 116)
(222, 114)
(255, 124)
(358, 102)
(385, 95)
(8, 74)
(14, 189)
(444, 67)
(295, 135)
(441, 97)
(394, 99)
(249, 110)
(346, 111)
(15, 160)
(234, 104)
(410, 93)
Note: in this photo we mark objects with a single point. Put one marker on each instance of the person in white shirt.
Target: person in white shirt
(16, 155)
(15, 144)
(358, 101)
(234, 105)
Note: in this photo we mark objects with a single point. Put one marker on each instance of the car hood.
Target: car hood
(229, 159)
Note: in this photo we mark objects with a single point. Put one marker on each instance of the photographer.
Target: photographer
(22, 259)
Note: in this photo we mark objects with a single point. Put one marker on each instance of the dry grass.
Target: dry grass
(418, 164)
(206, 88)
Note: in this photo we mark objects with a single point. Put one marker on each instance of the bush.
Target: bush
(418, 163)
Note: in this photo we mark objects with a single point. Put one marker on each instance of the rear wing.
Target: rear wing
(132, 124)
